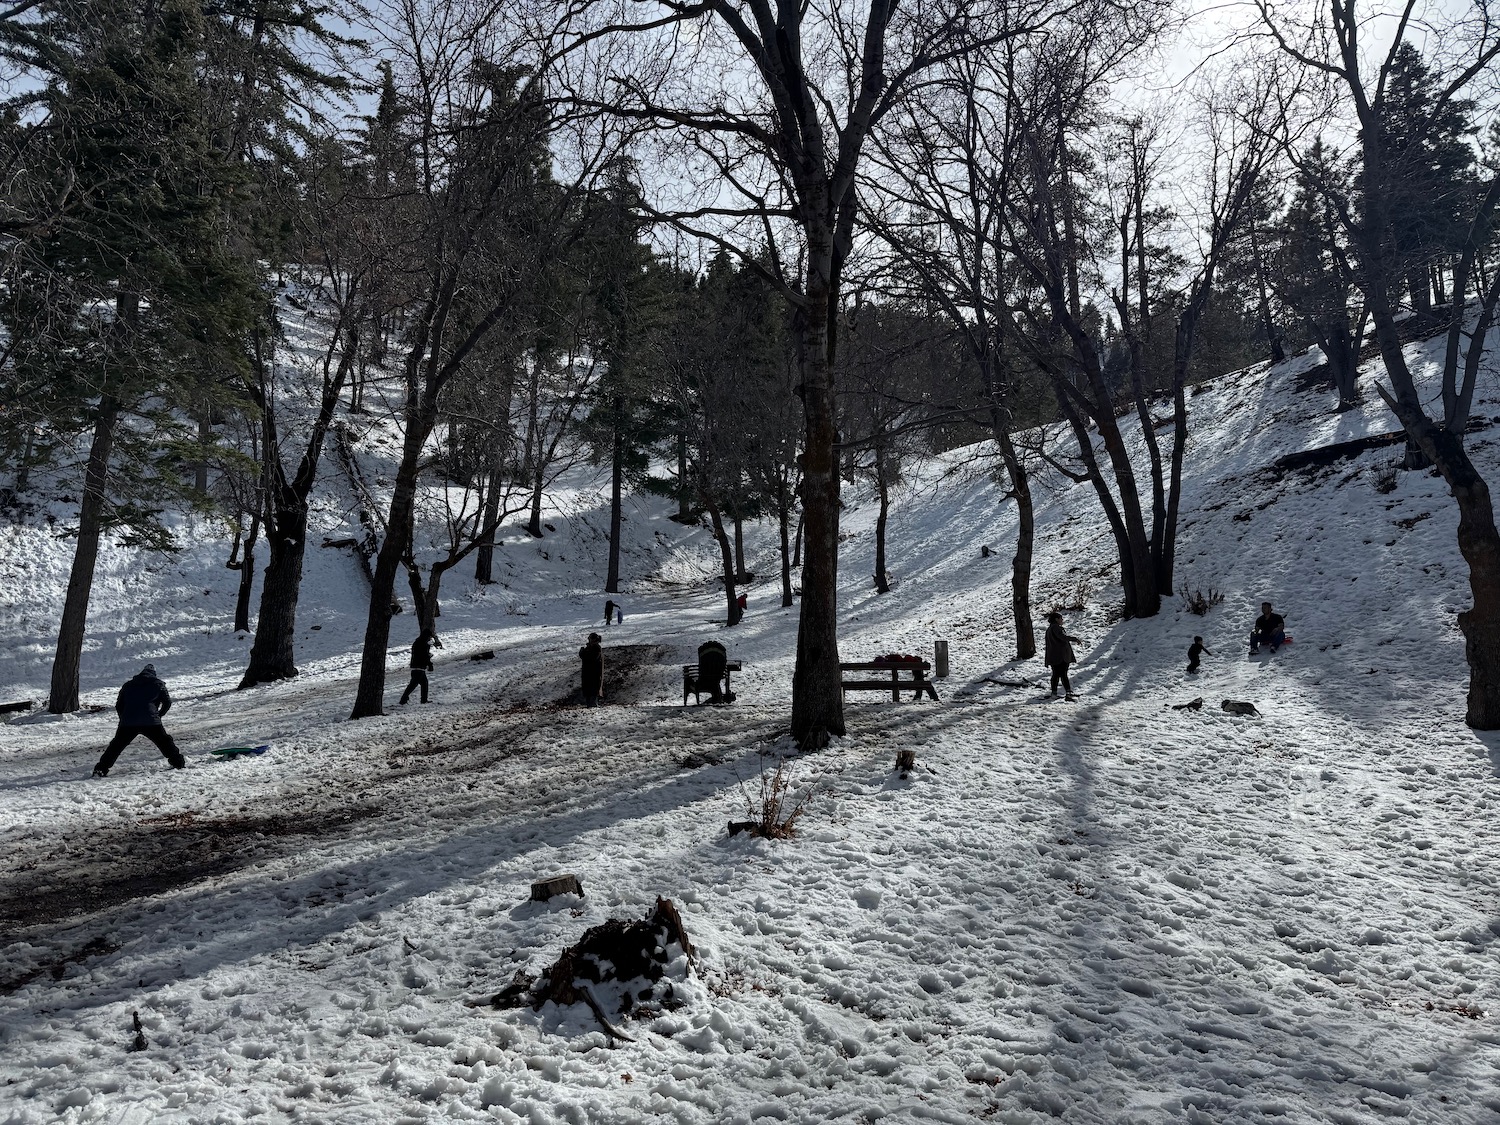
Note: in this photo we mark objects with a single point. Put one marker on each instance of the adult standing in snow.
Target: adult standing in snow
(1195, 650)
(1058, 653)
(421, 664)
(609, 612)
(142, 701)
(1270, 629)
(592, 657)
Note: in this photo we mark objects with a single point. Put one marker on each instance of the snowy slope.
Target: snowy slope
(1106, 911)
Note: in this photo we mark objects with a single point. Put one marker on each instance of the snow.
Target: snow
(1101, 911)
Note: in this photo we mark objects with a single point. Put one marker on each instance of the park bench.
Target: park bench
(891, 677)
(713, 666)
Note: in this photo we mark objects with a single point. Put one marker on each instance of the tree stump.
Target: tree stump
(984, 551)
(940, 660)
(544, 889)
(906, 761)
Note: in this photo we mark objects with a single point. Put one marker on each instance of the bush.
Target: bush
(1385, 480)
(773, 816)
(1198, 602)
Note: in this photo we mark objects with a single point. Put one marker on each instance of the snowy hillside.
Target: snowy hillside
(1103, 911)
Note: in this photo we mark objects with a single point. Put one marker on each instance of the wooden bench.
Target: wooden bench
(690, 681)
(892, 681)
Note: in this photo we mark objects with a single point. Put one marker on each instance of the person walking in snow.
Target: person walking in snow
(1058, 653)
(1270, 629)
(421, 664)
(1195, 650)
(142, 702)
(609, 612)
(592, 657)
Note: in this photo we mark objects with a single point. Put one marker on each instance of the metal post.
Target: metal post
(940, 659)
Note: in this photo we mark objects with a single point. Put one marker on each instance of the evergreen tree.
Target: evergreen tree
(131, 292)
(1427, 173)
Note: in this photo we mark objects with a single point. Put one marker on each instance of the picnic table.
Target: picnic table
(892, 678)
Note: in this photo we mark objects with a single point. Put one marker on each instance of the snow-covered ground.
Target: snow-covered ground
(1101, 911)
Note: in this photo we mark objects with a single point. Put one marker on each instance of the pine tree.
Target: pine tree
(1428, 171)
(131, 292)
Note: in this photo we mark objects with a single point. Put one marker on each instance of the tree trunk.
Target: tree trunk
(726, 557)
(740, 573)
(247, 577)
(273, 653)
(205, 440)
(617, 479)
(783, 520)
(817, 691)
(1421, 294)
(369, 698)
(484, 555)
(684, 492)
(882, 581)
(534, 525)
(797, 543)
(1020, 563)
(63, 696)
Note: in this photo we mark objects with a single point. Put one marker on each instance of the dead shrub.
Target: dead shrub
(774, 815)
(1385, 480)
(1198, 602)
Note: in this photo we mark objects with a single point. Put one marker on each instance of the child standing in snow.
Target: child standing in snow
(609, 612)
(1195, 650)
(1059, 653)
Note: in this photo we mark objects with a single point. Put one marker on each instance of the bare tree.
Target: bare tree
(773, 104)
(480, 121)
(1338, 44)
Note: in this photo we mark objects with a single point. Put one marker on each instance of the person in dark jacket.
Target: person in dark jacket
(421, 664)
(141, 704)
(609, 613)
(593, 671)
(1270, 629)
(1058, 653)
(1195, 650)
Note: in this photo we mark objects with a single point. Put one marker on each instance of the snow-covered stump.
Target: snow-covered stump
(543, 889)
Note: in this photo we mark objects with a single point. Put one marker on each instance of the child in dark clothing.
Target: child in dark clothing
(1195, 650)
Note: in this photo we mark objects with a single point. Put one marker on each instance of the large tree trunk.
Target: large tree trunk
(247, 577)
(272, 654)
(369, 698)
(726, 557)
(616, 485)
(1020, 563)
(63, 697)
(817, 691)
